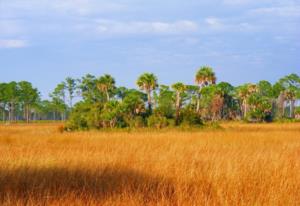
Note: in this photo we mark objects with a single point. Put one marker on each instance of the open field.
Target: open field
(241, 164)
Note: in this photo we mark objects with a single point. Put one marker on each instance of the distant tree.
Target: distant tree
(229, 108)
(216, 106)
(260, 107)
(110, 114)
(12, 96)
(43, 110)
(148, 83)
(88, 88)
(265, 88)
(106, 84)
(59, 100)
(121, 92)
(279, 94)
(291, 85)
(244, 92)
(205, 76)
(71, 86)
(165, 102)
(3, 99)
(28, 96)
(132, 108)
(193, 95)
(179, 88)
(211, 102)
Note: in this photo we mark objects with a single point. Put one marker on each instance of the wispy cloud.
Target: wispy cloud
(12, 43)
(214, 24)
(77, 7)
(110, 27)
(237, 2)
(284, 11)
(85, 7)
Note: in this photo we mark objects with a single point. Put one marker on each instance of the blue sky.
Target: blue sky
(44, 41)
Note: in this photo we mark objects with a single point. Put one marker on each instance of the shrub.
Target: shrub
(297, 111)
(84, 116)
(137, 122)
(61, 128)
(156, 121)
(260, 109)
(190, 118)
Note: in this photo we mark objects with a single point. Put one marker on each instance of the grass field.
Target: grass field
(256, 164)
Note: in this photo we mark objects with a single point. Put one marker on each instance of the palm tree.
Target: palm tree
(179, 88)
(291, 85)
(244, 93)
(105, 84)
(290, 95)
(148, 83)
(204, 77)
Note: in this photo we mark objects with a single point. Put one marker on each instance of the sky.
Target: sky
(45, 41)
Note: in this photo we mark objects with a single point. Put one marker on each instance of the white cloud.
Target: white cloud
(85, 7)
(12, 43)
(214, 23)
(77, 7)
(228, 25)
(284, 11)
(237, 2)
(109, 27)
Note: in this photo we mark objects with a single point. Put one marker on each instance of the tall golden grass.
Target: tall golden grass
(240, 164)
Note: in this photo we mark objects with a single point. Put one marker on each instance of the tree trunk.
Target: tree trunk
(149, 101)
(28, 114)
(281, 104)
(71, 103)
(292, 106)
(107, 96)
(177, 108)
(198, 104)
(245, 108)
(4, 115)
(12, 112)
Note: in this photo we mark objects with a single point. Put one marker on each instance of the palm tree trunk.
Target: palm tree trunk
(245, 108)
(177, 108)
(292, 106)
(149, 101)
(107, 96)
(198, 104)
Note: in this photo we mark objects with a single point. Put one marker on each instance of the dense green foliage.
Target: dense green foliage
(99, 103)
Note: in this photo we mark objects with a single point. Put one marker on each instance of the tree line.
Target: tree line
(99, 103)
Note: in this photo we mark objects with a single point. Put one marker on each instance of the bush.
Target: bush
(137, 122)
(260, 109)
(190, 118)
(61, 128)
(171, 122)
(158, 122)
(84, 116)
(297, 111)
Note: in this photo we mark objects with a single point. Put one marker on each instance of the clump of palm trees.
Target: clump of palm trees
(148, 83)
(100, 103)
